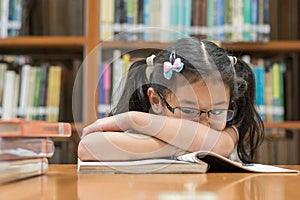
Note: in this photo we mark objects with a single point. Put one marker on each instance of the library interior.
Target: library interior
(63, 62)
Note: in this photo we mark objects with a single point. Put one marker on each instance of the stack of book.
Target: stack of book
(25, 147)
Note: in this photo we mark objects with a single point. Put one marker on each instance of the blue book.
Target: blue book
(259, 73)
(219, 20)
(146, 19)
(254, 20)
(101, 92)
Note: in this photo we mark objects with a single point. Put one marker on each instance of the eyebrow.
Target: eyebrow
(186, 101)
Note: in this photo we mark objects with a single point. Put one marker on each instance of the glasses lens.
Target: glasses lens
(222, 114)
(230, 115)
(187, 113)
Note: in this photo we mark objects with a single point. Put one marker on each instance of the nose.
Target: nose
(204, 119)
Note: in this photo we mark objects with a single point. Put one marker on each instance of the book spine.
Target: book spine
(146, 19)
(187, 18)
(25, 148)
(30, 93)
(219, 20)
(32, 128)
(101, 92)
(266, 22)
(20, 169)
(36, 95)
(117, 74)
(3, 68)
(4, 18)
(15, 17)
(8, 94)
(16, 96)
(228, 20)
(23, 101)
(43, 92)
(165, 20)
(247, 20)
(210, 19)
(254, 20)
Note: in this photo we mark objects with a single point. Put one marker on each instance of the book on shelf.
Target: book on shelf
(17, 148)
(165, 20)
(40, 91)
(33, 128)
(20, 169)
(196, 162)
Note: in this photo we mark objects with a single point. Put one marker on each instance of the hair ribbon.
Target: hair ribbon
(169, 68)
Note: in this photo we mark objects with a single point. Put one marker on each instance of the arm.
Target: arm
(117, 146)
(187, 135)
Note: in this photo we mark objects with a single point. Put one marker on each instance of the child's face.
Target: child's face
(200, 96)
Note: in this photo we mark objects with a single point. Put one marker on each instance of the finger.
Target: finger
(94, 127)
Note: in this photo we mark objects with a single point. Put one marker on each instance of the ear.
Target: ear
(155, 101)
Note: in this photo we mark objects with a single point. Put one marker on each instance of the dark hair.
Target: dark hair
(203, 60)
(248, 121)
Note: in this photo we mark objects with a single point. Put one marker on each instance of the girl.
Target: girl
(192, 96)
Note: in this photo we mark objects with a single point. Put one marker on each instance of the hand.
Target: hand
(114, 123)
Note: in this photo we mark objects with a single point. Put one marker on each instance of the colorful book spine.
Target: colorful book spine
(254, 20)
(23, 102)
(101, 92)
(228, 20)
(219, 20)
(247, 20)
(8, 95)
(146, 16)
(15, 17)
(210, 19)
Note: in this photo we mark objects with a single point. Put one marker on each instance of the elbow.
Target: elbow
(224, 146)
(82, 151)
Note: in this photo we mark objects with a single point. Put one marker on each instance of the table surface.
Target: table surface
(63, 182)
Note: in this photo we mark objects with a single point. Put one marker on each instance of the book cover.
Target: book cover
(20, 169)
(25, 148)
(218, 163)
(21, 127)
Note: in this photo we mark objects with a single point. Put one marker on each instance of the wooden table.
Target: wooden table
(63, 182)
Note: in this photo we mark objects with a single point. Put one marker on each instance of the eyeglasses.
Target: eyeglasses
(194, 114)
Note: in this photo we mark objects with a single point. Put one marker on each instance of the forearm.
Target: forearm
(184, 134)
(114, 146)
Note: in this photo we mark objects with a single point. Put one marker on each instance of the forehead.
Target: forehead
(204, 94)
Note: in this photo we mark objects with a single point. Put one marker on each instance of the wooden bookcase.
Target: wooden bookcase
(84, 45)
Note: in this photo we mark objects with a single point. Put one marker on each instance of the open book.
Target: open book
(197, 162)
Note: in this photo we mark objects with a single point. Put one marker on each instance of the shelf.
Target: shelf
(274, 46)
(291, 125)
(40, 44)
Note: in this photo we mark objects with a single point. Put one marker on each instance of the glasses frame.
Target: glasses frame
(200, 112)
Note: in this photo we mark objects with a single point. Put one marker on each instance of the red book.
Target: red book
(25, 128)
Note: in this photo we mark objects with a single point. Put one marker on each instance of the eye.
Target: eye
(189, 111)
(217, 112)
